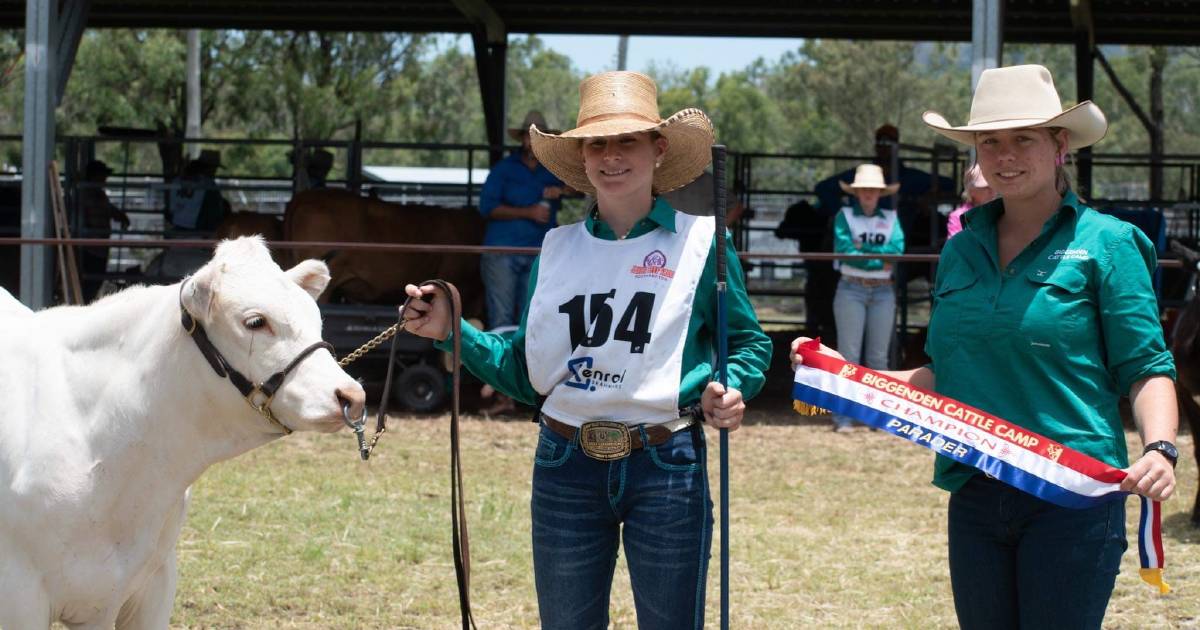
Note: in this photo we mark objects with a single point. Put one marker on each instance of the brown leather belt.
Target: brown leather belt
(866, 282)
(621, 438)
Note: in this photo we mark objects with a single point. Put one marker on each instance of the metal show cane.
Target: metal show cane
(718, 159)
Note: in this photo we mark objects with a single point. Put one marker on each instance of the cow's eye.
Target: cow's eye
(255, 322)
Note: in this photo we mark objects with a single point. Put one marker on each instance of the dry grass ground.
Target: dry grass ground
(827, 531)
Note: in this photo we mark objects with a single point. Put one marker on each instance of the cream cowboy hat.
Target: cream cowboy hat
(869, 176)
(613, 103)
(534, 117)
(1019, 97)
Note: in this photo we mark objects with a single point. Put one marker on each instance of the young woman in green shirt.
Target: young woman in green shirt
(617, 341)
(1044, 315)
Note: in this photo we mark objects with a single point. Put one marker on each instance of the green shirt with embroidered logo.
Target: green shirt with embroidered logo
(1052, 341)
(499, 359)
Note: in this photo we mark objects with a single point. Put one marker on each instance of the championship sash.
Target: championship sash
(1025, 460)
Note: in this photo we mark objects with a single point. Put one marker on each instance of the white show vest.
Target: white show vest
(607, 323)
(873, 230)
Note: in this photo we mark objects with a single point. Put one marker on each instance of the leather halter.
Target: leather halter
(458, 511)
(257, 395)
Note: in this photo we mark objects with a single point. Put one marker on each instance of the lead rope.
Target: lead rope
(458, 513)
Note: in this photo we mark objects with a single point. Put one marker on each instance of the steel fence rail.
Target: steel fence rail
(179, 243)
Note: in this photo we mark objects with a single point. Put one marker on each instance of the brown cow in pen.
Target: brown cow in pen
(238, 224)
(379, 277)
(1185, 346)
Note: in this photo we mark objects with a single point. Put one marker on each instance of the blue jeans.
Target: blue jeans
(505, 281)
(864, 312)
(1017, 561)
(656, 499)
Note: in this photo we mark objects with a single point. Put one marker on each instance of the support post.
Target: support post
(987, 37)
(490, 38)
(490, 60)
(1085, 84)
(37, 148)
(192, 150)
(51, 39)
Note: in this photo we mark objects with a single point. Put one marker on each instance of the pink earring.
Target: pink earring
(1061, 159)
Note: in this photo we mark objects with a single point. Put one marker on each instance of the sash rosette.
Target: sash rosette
(1004, 450)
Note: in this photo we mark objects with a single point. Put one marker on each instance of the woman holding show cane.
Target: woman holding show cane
(617, 343)
(1043, 316)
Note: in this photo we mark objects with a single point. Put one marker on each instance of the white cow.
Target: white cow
(109, 412)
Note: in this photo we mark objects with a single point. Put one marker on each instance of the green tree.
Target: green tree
(541, 79)
(856, 86)
(744, 115)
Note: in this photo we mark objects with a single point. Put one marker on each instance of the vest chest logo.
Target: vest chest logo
(654, 265)
(1069, 254)
(582, 375)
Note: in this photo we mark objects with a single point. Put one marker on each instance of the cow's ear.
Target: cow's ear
(200, 290)
(311, 275)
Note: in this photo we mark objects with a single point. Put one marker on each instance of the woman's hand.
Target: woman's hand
(1151, 476)
(427, 319)
(723, 408)
(797, 361)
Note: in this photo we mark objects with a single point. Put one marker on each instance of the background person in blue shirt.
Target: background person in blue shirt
(520, 202)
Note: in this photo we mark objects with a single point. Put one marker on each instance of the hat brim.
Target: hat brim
(689, 135)
(890, 189)
(1085, 122)
(516, 132)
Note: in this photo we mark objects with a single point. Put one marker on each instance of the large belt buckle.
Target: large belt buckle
(603, 440)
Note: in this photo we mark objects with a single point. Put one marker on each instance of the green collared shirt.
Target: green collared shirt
(499, 359)
(1052, 341)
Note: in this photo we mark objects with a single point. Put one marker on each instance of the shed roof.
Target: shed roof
(1116, 21)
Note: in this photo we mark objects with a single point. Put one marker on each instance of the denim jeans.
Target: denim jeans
(864, 312)
(1017, 561)
(656, 499)
(505, 281)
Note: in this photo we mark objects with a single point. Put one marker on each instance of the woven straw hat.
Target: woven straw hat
(1019, 97)
(869, 176)
(613, 103)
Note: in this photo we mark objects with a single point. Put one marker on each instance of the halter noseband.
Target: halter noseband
(257, 395)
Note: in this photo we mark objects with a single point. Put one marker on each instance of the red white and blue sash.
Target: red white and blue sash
(1019, 457)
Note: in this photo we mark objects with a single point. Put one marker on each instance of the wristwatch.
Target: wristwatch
(1164, 447)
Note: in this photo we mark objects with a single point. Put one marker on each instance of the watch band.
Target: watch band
(1166, 448)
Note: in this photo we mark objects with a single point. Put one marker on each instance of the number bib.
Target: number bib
(608, 319)
(874, 230)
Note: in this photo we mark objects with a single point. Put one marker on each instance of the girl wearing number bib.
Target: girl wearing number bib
(616, 346)
(864, 306)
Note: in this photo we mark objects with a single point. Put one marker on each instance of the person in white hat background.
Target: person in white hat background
(864, 306)
(617, 341)
(1044, 315)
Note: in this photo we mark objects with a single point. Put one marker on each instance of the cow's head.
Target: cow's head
(260, 318)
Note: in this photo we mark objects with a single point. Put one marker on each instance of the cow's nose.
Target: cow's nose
(352, 394)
